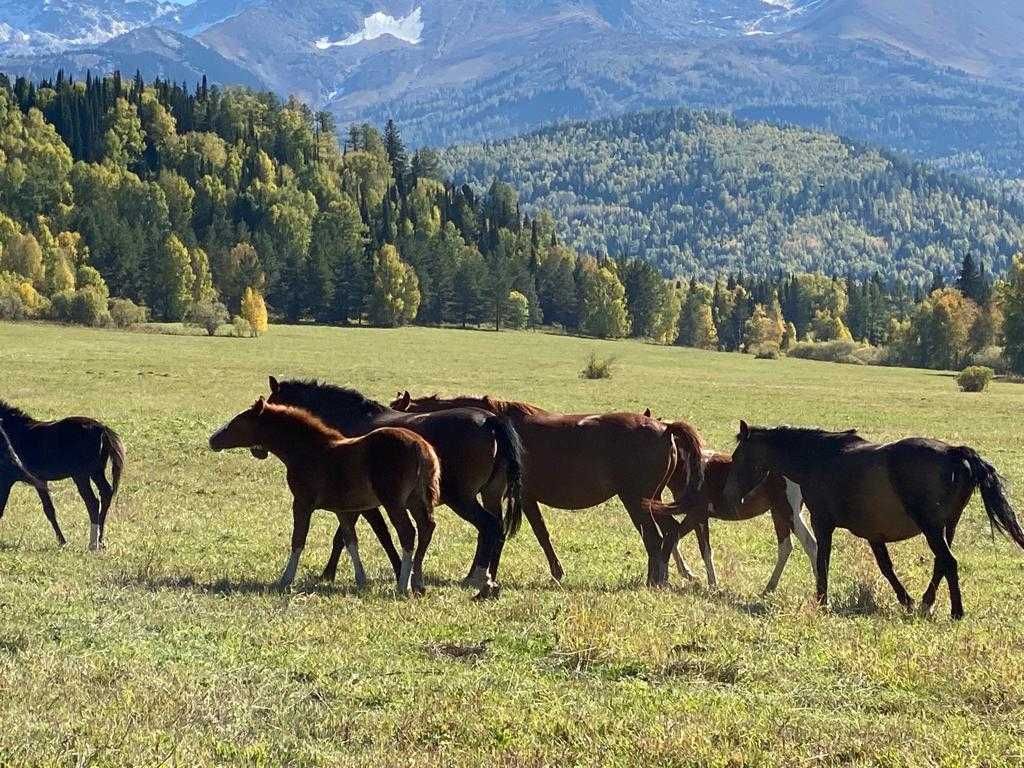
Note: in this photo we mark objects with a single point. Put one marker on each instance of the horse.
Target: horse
(881, 493)
(582, 460)
(481, 455)
(389, 467)
(775, 494)
(78, 448)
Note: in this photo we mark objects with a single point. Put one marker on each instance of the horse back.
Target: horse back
(55, 450)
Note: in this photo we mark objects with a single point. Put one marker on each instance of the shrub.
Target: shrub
(240, 327)
(517, 311)
(125, 313)
(597, 367)
(974, 378)
(19, 300)
(209, 315)
(89, 307)
(839, 351)
(766, 352)
(991, 357)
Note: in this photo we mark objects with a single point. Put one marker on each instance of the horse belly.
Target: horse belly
(883, 520)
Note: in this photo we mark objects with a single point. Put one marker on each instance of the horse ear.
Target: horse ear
(259, 405)
(744, 430)
(406, 395)
(647, 412)
(274, 385)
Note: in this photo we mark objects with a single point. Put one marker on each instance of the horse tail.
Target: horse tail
(12, 456)
(689, 441)
(993, 493)
(429, 472)
(512, 452)
(114, 450)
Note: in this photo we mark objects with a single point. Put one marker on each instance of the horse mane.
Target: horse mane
(788, 435)
(487, 402)
(333, 399)
(300, 418)
(12, 416)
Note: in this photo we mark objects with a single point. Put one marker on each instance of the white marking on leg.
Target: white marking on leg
(94, 536)
(785, 547)
(357, 563)
(289, 570)
(405, 577)
(681, 566)
(709, 565)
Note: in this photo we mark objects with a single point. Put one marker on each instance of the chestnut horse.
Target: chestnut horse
(776, 494)
(481, 455)
(78, 448)
(388, 467)
(882, 493)
(582, 460)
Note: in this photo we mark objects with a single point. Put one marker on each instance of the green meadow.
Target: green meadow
(171, 647)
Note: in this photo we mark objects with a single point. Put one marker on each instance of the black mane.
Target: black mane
(329, 400)
(789, 435)
(12, 416)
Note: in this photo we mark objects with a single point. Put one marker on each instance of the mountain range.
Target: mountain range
(942, 79)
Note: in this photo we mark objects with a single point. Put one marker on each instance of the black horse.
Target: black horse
(882, 493)
(78, 448)
(481, 455)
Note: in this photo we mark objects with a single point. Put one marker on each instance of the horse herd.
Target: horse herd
(494, 462)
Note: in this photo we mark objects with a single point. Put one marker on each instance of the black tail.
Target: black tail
(997, 505)
(510, 448)
(113, 448)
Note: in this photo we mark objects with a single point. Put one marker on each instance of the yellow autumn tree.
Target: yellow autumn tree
(254, 310)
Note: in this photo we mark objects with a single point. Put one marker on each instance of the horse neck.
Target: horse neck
(15, 423)
(803, 463)
(290, 437)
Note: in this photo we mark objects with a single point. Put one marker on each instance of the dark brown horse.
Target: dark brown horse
(582, 460)
(882, 493)
(78, 448)
(388, 467)
(481, 455)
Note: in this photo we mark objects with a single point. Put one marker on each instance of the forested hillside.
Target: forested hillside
(701, 194)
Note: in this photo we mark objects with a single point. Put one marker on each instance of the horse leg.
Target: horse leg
(406, 531)
(681, 566)
(380, 529)
(302, 511)
(532, 512)
(823, 530)
(782, 526)
(5, 494)
(652, 539)
(885, 566)
(425, 526)
(704, 543)
(482, 574)
(929, 594)
(339, 543)
(106, 499)
(93, 505)
(51, 513)
(946, 566)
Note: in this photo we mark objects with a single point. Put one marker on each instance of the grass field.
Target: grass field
(170, 648)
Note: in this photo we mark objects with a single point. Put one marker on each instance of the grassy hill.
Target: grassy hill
(170, 647)
(700, 193)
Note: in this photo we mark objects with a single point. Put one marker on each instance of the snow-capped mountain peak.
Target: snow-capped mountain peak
(408, 29)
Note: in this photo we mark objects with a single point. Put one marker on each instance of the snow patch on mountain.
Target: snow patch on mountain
(409, 29)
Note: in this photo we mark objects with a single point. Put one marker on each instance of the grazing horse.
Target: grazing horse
(582, 460)
(775, 494)
(480, 454)
(388, 467)
(77, 448)
(882, 493)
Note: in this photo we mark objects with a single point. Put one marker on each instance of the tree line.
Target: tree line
(200, 203)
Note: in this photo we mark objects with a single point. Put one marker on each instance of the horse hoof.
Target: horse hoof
(488, 592)
(957, 615)
(329, 577)
(557, 574)
(419, 590)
